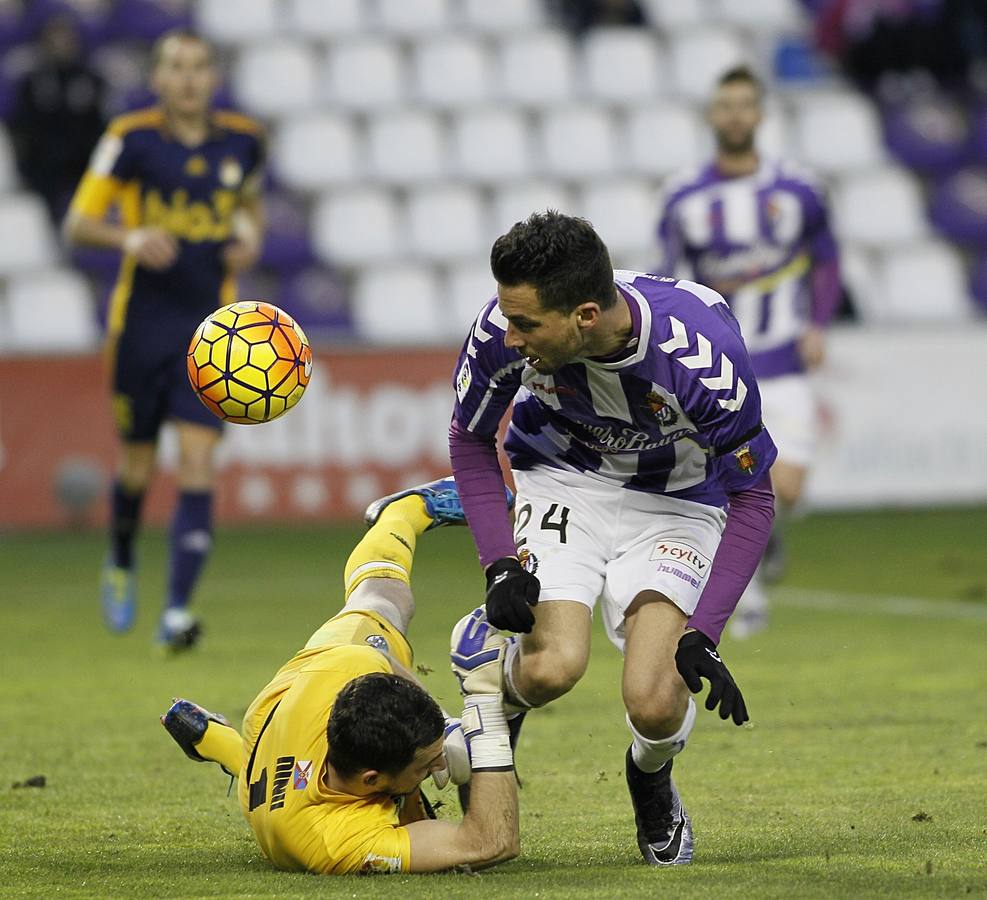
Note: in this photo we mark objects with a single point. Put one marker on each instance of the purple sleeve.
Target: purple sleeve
(741, 547)
(669, 240)
(481, 489)
(827, 291)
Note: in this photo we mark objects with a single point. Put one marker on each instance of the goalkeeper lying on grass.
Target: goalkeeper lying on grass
(335, 748)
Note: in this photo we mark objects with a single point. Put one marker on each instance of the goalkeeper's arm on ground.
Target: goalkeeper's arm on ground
(488, 833)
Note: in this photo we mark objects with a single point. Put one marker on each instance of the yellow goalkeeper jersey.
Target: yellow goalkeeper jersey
(299, 823)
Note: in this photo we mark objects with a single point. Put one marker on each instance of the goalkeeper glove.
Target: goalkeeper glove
(457, 756)
(696, 658)
(511, 592)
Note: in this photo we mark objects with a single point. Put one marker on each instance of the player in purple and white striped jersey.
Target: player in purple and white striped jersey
(756, 230)
(641, 467)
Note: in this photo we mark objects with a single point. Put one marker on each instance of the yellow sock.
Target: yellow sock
(388, 548)
(222, 744)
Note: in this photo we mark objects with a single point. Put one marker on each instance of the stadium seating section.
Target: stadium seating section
(407, 134)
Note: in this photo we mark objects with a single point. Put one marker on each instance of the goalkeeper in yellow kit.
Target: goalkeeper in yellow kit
(334, 749)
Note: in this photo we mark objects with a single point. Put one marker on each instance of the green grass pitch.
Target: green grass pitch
(863, 772)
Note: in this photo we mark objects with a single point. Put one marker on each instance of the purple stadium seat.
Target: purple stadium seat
(148, 19)
(959, 206)
(929, 135)
(287, 246)
(318, 299)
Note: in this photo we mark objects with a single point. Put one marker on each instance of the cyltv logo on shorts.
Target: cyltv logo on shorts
(682, 554)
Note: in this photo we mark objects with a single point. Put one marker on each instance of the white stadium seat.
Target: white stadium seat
(400, 304)
(662, 139)
(446, 222)
(757, 15)
(503, 15)
(468, 286)
(452, 71)
(623, 212)
(578, 142)
(518, 201)
(307, 18)
(406, 147)
(859, 272)
(879, 207)
(925, 282)
(316, 150)
(8, 165)
(28, 241)
(50, 312)
(491, 145)
(537, 69)
(365, 73)
(700, 56)
(622, 65)
(774, 134)
(838, 132)
(276, 78)
(413, 17)
(240, 23)
(672, 15)
(357, 225)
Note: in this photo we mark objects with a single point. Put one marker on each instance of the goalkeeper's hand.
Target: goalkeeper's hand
(457, 756)
(696, 658)
(477, 654)
(511, 592)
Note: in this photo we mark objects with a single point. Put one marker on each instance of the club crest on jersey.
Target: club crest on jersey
(196, 166)
(379, 642)
(746, 460)
(659, 408)
(230, 172)
(528, 560)
(302, 774)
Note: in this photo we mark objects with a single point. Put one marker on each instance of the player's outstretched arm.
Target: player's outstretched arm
(488, 833)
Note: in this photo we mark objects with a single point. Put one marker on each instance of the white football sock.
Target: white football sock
(649, 755)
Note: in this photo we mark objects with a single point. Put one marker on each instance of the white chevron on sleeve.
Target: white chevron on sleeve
(479, 335)
(725, 380)
(737, 401)
(703, 357)
(679, 338)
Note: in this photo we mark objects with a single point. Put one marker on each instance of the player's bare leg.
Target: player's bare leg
(118, 581)
(552, 657)
(660, 715)
(191, 532)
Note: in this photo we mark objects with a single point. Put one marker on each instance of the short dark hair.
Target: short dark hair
(183, 34)
(561, 256)
(741, 75)
(379, 721)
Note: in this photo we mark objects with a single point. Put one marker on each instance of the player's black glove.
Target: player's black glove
(696, 658)
(511, 592)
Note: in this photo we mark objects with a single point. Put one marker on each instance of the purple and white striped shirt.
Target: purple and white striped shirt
(762, 241)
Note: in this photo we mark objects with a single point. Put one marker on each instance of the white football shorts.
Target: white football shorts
(788, 409)
(588, 539)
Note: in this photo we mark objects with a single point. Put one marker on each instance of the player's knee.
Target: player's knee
(658, 713)
(550, 674)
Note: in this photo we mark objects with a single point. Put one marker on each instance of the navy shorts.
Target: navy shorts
(150, 388)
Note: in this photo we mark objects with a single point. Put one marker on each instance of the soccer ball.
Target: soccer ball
(249, 362)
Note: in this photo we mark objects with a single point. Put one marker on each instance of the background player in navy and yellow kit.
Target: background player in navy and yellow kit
(186, 179)
(335, 747)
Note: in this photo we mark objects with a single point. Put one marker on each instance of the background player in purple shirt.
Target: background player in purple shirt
(186, 179)
(641, 465)
(757, 231)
